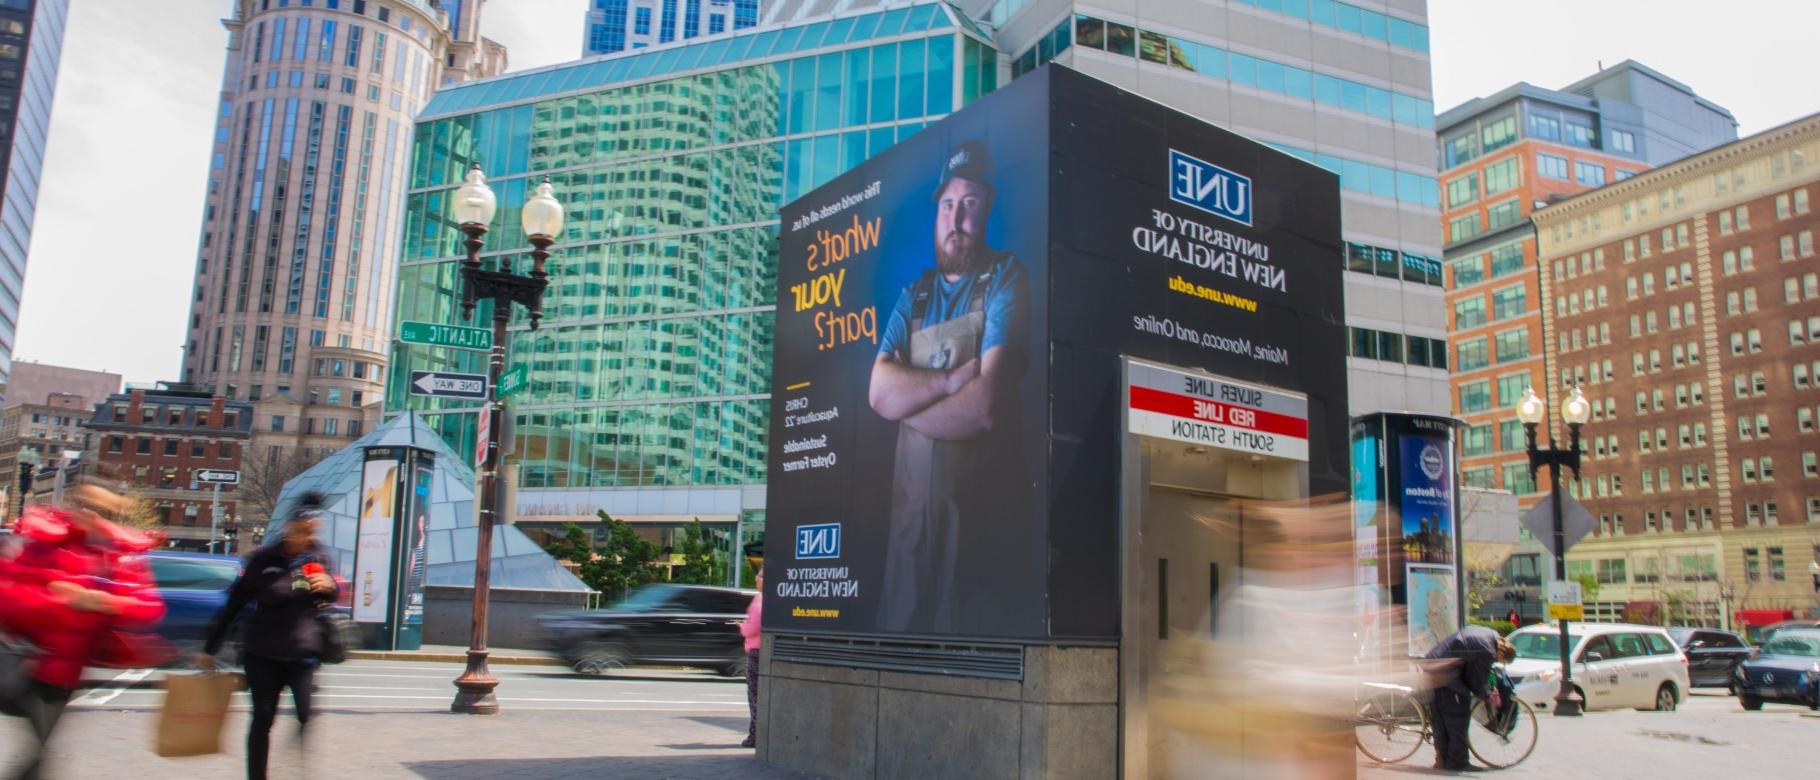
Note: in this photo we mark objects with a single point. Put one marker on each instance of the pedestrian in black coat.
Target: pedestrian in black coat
(284, 584)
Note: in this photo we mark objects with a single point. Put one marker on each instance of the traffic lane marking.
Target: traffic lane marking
(106, 693)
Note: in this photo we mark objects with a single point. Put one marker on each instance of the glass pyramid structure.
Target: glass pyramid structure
(517, 561)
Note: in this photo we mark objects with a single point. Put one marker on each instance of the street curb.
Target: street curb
(459, 658)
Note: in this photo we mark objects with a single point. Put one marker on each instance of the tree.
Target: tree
(263, 479)
(1589, 586)
(619, 562)
(701, 563)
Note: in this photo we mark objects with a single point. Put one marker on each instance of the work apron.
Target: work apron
(935, 485)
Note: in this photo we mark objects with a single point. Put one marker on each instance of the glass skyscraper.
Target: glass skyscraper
(650, 372)
(31, 44)
(618, 25)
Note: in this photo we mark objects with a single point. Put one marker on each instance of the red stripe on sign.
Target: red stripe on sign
(1188, 407)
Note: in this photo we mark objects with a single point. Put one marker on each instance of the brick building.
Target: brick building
(151, 441)
(1686, 302)
(1502, 157)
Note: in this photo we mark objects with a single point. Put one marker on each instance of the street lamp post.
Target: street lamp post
(1575, 410)
(542, 221)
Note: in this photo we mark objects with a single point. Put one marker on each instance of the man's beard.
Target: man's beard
(960, 260)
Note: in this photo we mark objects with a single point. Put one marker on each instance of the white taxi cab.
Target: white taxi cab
(1615, 666)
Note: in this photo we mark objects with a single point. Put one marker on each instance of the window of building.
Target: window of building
(1513, 345)
(145, 446)
(1475, 396)
(1551, 166)
(1501, 177)
(1591, 174)
(1463, 190)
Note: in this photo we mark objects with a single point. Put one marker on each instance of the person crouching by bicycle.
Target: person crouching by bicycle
(1460, 669)
(285, 582)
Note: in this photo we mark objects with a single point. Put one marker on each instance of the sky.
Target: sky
(120, 206)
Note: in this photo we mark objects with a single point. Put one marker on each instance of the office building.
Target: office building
(45, 436)
(1340, 84)
(620, 25)
(31, 44)
(32, 382)
(153, 441)
(46, 407)
(295, 265)
(1502, 157)
(1702, 458)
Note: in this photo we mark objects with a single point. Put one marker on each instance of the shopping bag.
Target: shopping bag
(195, 706)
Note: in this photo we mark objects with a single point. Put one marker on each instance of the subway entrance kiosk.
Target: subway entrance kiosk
(1036, 368)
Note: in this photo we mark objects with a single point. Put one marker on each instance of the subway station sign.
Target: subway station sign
(1199, 409)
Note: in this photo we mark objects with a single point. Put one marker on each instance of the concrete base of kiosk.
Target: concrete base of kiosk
(1059, 721)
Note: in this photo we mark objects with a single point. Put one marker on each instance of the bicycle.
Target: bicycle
(1390, 724)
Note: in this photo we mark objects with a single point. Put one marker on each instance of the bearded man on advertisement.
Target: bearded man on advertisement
(951, 352)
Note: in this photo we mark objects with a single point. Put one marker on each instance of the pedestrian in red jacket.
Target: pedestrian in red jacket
(77, 589)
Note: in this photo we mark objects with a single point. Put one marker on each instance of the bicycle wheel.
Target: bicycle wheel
(1501, 747)
(1389, 726)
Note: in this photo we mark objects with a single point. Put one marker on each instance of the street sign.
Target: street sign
(457, 336)
(513, 380)
(1540, 520)
(216, 476)
(480, 438)
(1564, 601)
(442, 384)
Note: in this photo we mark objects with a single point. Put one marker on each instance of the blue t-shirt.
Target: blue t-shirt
(1003, 307)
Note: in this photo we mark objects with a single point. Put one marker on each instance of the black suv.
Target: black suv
(658, 625)
(1711, 654)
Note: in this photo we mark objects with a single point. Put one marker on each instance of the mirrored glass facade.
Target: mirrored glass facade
(31, 46)
(652, 364)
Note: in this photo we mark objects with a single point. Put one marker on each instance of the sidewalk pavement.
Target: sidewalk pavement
(524, 743)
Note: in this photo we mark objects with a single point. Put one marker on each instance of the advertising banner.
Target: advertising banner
(373, 552)
(907, 426)
(415, 551)
(1427, 502)
(953, 319)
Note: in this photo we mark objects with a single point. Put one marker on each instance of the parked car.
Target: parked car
(661, 625)
(1711, 654)
(1785, 669)
(1766, 632)
(194, 587)
(1615, 665)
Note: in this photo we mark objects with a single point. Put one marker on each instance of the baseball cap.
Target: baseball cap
(969, 161)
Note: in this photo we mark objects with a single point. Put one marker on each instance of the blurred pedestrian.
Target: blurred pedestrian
(1460, 669)
(750, 629)
(285, 582)
(74, 585)
(1514, 618)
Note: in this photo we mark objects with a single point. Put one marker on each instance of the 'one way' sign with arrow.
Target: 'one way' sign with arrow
(441, 384)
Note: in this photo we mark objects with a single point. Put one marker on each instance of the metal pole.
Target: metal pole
(1566, 701)
(475, 685)
(57, 487)
(214, 514)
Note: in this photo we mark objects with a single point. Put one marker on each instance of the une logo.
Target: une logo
(818, 541)
(1209, 187)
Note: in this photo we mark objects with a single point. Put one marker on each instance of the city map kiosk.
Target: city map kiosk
(1040, 372)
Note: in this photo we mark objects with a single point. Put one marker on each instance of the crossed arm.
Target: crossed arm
(943, 404)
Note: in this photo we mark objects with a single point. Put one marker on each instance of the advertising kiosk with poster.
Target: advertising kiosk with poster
(1045, 376)
(390, 560)
(1406, 511)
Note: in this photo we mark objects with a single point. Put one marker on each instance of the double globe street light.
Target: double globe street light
(1576, 410)
(541, 217)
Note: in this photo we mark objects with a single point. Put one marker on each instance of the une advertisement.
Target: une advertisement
(953, 320)
(907, 432)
